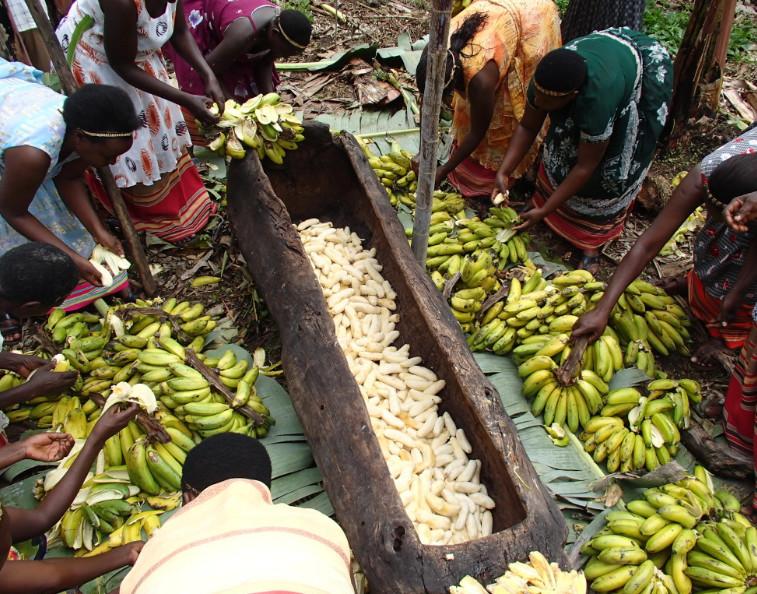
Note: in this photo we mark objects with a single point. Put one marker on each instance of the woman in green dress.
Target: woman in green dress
(606, 95)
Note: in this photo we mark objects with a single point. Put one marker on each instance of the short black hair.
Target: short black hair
(561, 70)
(733, 178)
(226, 456)
(296, 26)
(37, 271)
(100, 108)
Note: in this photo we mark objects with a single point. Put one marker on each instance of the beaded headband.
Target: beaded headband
(544, 91)
(452, 72)
(288, 39)
(107, 134)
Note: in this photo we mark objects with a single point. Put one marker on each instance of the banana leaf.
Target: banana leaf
(567, 472)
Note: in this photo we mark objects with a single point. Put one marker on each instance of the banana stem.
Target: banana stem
(221, 388)
(568, 372)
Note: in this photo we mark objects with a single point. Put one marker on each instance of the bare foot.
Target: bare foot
(589, 262)
(711, 352)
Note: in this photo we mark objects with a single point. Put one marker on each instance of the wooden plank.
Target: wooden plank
(330, 179)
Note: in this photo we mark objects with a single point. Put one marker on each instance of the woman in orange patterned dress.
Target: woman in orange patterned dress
(119, 43)
(495, 46)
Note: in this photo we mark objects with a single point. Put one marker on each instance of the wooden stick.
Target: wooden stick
(566, 374)
(432, 104)
(136, 253)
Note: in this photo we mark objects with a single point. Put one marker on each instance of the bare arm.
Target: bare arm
(589, 157)
(25, 171)
(521, 142)
(481, 93)
(55, 575)
(686, 198)
(27, 523)
(185, 45)
(237, 39)
(72, 190)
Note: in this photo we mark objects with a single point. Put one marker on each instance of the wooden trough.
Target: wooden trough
(329, 178)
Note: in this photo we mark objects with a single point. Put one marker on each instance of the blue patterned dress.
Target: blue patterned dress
(30, 115)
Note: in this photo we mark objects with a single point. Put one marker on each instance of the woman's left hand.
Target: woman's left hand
(441, 175)
(530, 218)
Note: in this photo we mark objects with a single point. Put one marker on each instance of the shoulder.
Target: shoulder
(742, 144)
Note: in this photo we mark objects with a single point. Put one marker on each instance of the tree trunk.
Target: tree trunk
(700, 62)
(432, 101)
(585, 16)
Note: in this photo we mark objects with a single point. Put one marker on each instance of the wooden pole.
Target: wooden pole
(432, 104)
(68, 84)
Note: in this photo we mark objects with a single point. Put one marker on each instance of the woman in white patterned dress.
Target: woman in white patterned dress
(119, 42)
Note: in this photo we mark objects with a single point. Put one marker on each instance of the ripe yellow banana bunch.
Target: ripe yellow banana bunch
(263, 123)
(648, 542)
(647, 315)
(395, 173)
(538, 576)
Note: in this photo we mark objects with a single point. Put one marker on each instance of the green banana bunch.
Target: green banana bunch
(646, 313)
(460, 5)
(725, 556)
(264, 124)
(395, 174)
(644, 547)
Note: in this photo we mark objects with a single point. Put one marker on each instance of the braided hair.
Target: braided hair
(453, 71)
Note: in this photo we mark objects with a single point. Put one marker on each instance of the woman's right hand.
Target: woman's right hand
(199, 106)
(113, 420)
(502, 186)
(590, 325)
(46, 382)
(88, 272)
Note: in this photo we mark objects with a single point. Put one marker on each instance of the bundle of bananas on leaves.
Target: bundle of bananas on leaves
(448, 244)
(535, 310)
(538, 576)
(263, 123)
(634, 431)
(677, 534)
(567, 404)
(152, 347)
(648, 319)
(395, 172)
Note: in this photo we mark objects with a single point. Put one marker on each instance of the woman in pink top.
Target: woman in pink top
(240, 40)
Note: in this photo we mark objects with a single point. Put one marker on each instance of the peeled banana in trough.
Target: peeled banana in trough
(537, 576)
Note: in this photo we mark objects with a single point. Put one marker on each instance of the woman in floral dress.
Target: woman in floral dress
(119, 42)
(607, 97)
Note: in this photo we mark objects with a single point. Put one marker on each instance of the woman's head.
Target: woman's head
(34, 277)
(453, 68)
(222, 457)
(734, 177)
(289, 34)
(100, 122)
(558, 79)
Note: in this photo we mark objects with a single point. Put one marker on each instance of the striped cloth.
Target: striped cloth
(707, 309)
(233, 540)
(577, 229)
(741, 398)
(20, 15)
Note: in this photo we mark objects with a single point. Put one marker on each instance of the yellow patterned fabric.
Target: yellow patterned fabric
(515, 36)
